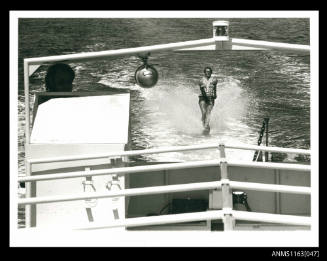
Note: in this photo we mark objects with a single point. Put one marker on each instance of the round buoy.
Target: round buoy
(146, 76)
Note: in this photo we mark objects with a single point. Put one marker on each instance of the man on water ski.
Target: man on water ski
(207, 97)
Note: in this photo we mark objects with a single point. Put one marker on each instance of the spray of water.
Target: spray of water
(177, 105)
(174, 117)
(169, 115)
(230, 107)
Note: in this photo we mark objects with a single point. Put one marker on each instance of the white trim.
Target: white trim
(122, 170)
(271, 45)
(158, 220)
(171, 149)
(270, 165)
(270, 187)
(118, 52)
(167, 166)
(124, 192)
(273, 218)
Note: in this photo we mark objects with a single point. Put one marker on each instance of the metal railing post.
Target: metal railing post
(30, 210)
(116, 162)
(277, 194)
(215, 202)
(87, 187)
(28, 195)
(27, 102)
(227, 194)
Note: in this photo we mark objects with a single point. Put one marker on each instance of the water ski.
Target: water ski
(206, 131)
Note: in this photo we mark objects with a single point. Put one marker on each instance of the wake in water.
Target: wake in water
(231, 105)
(177, 105)
(171, 117)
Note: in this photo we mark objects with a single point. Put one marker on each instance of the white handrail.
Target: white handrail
(195, 216)
(123, 192)
(158, 167)
(122, 170)
(118, 52)
(198, 216)
(272, 218)
(157, 220)
(125, 153)
(269, 149)
(164, 47)
(270, 165)
(270, 187)
(141, 221)
(168, 149)
(271, 45)
(169, 189)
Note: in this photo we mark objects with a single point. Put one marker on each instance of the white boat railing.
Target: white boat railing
(125, 192)
(158, 167)
(225, 185)
(157, 220)
(169, 149)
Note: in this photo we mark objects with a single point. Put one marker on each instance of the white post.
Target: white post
(221, 35)
(27, 102)
(89, 203)
(215, 197)
(30, 211)
(277, 194)
(227, 194)
(215, 203)
(28, 194)
(115, 185)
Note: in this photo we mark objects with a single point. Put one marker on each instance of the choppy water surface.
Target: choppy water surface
(252, 84)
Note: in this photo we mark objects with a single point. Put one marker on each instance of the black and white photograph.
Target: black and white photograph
(164, 128)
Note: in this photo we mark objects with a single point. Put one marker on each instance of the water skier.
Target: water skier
(208, 87)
